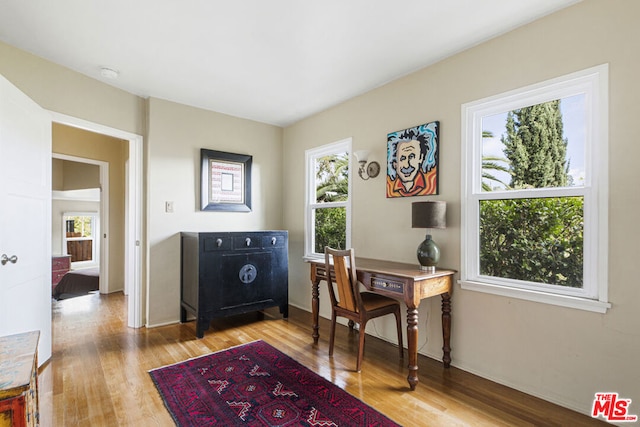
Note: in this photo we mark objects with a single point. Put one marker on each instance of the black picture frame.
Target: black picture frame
(225, 183)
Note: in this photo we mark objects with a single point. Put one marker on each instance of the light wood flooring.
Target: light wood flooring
(98, 376)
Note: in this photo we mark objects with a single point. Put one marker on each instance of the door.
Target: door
(25, 217)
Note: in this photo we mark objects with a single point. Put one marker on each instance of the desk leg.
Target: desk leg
(315, 309)
(412, 338)
(446, 329)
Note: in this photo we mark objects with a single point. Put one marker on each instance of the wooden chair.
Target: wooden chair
(349, 302)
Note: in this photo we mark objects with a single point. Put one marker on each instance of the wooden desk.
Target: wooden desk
(405, 282)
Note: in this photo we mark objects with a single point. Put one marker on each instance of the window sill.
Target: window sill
(543, 297)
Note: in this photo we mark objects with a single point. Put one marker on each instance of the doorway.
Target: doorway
(81, 183)
(132, 213)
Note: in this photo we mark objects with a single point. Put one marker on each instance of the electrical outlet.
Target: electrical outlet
(168, 207)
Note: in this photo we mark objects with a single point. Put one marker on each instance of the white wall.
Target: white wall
(560, 354)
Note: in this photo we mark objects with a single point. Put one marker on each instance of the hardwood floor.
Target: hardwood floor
(98, 376)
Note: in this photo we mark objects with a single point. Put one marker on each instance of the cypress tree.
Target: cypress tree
(535, 147)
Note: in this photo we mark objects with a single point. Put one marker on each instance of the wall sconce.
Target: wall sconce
(428, 215)
(366, 171)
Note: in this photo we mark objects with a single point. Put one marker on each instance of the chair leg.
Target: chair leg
(399, 327)
(332, 336)
(363, 326)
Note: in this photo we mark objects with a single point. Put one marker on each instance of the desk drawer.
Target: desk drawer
(384, 283)
(320, 273)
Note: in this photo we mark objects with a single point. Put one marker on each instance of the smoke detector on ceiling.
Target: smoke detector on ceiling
(109, 73)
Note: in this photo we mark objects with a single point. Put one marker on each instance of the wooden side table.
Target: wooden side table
(19, 380)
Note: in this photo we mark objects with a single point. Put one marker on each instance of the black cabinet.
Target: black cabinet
(232, 273)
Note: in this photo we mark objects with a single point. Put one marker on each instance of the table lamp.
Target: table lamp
(428, 215)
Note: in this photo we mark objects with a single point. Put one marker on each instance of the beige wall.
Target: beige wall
(57, 174)
(89, 145)
(176, 135)
(67, 92)
(77, 176)
(561, 354)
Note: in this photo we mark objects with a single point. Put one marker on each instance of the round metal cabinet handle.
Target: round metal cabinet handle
(248, 274)
(273, 241)
(219, 242)
(248, 240)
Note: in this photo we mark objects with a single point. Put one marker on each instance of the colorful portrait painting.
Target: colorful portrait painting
(412, 161)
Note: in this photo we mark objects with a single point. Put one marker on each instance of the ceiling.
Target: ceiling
(273, 61)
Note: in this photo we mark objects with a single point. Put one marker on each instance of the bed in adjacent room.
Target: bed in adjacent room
(76, 283)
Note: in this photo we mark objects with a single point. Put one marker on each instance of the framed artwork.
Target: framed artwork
(412, 161)
(225, 181)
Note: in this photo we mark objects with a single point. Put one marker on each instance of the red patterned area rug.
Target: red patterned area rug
(256, 385)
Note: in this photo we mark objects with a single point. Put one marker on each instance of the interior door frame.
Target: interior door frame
(104, 214)
(133, 211)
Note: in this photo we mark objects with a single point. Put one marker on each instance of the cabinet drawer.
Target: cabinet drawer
(217, 243)
(386, 284)
(274, 241)
(56, 276)
(60, 263)
(247, 241)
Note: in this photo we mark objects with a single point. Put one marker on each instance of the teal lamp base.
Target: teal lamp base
(428, 255)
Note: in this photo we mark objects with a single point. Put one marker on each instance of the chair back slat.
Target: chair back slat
(345, 276)
(345, 285)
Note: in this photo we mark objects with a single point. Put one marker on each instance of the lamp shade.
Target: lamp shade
(362, 155)
(429, 214)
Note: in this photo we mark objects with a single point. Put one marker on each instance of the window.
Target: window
(534, 196)
(328, 202)
(80, 238)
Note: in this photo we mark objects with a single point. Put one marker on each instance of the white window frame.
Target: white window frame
(311, 155)
(592, 82)
(95, 232)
